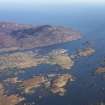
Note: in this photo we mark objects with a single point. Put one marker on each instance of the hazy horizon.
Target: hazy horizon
(33, 4)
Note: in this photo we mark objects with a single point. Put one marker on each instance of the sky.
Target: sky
(33, 2)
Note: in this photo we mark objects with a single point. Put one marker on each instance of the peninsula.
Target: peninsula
(15, 36)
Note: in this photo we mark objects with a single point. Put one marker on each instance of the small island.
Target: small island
(86, 52)
(34, 82)
(100, 70)
(59, 83)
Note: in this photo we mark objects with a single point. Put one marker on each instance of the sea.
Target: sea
(88, 87)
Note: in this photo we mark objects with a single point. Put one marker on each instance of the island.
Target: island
(29, 59)
(56, 84)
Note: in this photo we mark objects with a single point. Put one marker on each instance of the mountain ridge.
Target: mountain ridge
(27, 36)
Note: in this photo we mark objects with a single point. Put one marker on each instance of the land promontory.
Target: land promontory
(15, 36)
